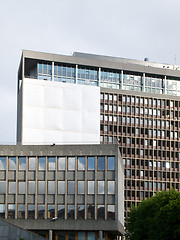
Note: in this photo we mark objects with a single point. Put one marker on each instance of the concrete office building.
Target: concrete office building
(137, 103)
(63, 192)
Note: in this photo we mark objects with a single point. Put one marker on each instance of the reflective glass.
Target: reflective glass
(2, 187)
(111, 187)
(22, 163)
(42, 163)
(52, 164)
(11, 210)
(12, 163)
(71, 187)
(61, 163)
(41, 211)
(101, 163)
(91, 163)
(81, 235)
(111, 212)
(80, 211)
(90, 212)
(51, 187)
(32, 163)
(71, 211)
(91, 235)
(100, 187)
(41, 187)
(2, 163)
(71, 163)
(100, 211)
(12, 187)
(31, 211)
(61, 211)
(2, 210)
(111, 163)
(81, 163)
(22, 187)
(31, 187)
(21, 210)
(81, 185)
(91, 187)
(61, 235)
(61, 187)
(51, 211)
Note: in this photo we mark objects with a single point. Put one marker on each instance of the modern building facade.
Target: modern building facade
(64, 191)
(138, 107)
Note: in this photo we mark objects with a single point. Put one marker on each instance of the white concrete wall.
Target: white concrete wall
(60, 113)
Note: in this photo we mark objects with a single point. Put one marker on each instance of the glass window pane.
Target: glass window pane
(61, 211)
(111, 187)
(111, 212)
(101, 163)
(2, 210)
(2, 187)
(31, 211)
(2, 163)
(100, 211)
(81, 236)
(61, 235)
(61, 187)
(81, 163)
(90, 211)
(71, 211)
(100, 187)
(41, 211)
(41, 187)
(111, 163)
(51, 166)
(21, 210)
(42, 163)
(51, 187)
(31, 187)
(91, 163)
(61, 163)
(71, 187)
(32, 163)
(11, 210)
(12, 163)
(22, 163)
(91, 187)
(22, 187)
(71, 163)
(91, 235)
(81, 186)
(80, 211)
(51, 211)
(12, 187)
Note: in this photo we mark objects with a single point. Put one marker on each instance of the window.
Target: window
(90, 211)
(61, 187)
(11, 210)
(100, 187)
(2, 163)
(91, 163)
(2, 187)
(21, 210)
(111, 212)
(41, 187)
(71, 211)
(61, 163)
(111, 163)
(61, 211)
(101, 163)
(91, 189)
(80, 212)
(51, 211)
(52, 163)
(22, 163)
(51, 187)
(71, 187)
(32, 163)
(111, 187)
(31, 187)
(81, 186)
(12, 163)
(42, 163)
(31, 211)
(22, 187)
(81, 163)
(41, 211)
(2, 210)
(100, 211)
(71, 163)
(12, 187)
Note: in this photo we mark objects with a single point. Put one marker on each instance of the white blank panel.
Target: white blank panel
(60, 113)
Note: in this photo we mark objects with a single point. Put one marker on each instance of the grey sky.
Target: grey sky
(123, 28)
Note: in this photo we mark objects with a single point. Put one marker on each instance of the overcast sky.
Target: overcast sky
(123, 28)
